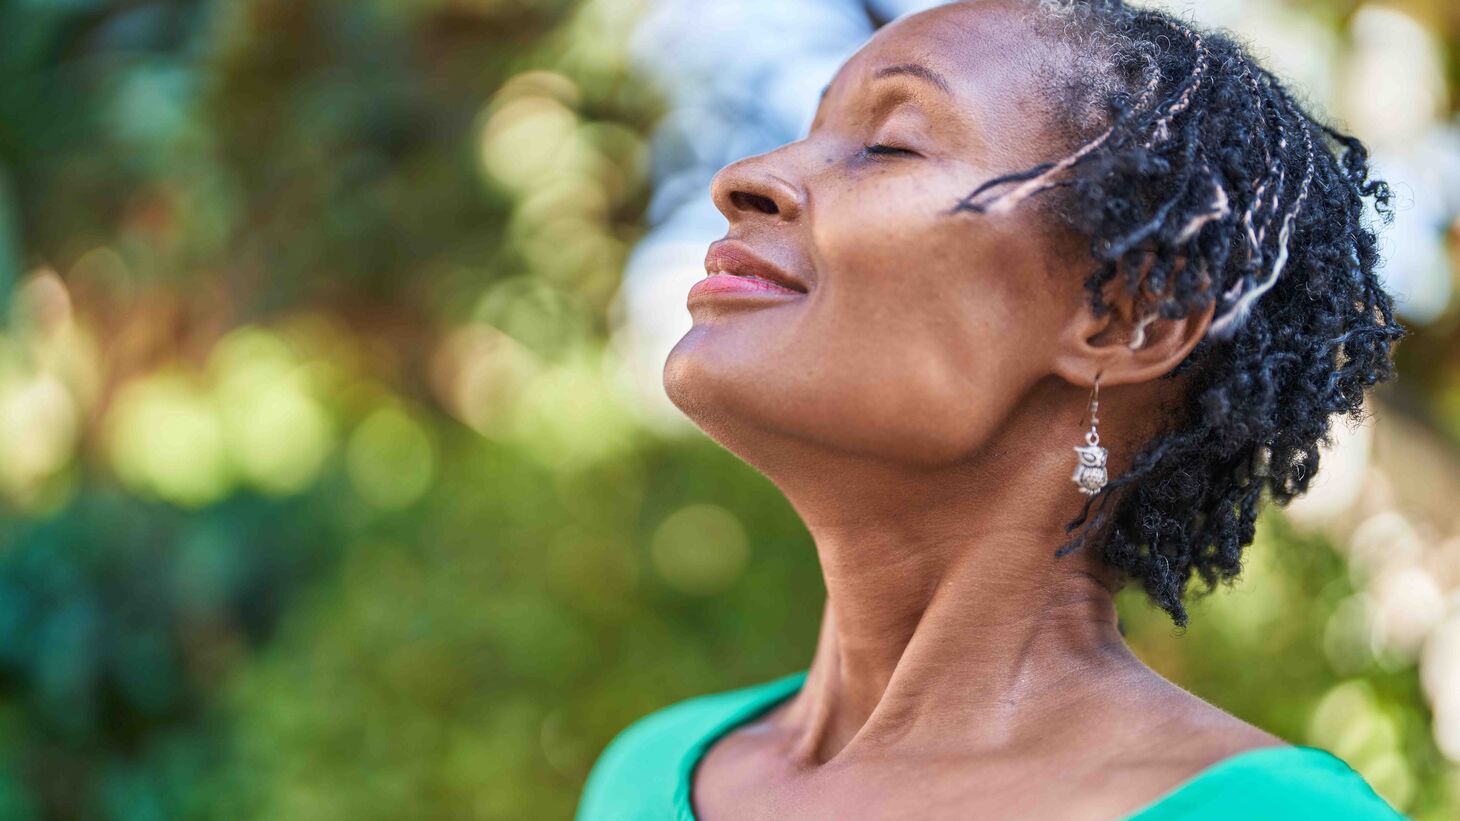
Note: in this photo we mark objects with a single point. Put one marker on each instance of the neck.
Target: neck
(946, 608)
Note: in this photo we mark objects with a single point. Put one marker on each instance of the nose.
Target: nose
(753, 188)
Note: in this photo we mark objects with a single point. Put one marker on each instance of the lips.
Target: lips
(736, 259)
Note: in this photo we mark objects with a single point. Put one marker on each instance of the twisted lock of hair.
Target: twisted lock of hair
(1204, 166)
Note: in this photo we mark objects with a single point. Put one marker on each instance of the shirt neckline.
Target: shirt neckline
(777, 691)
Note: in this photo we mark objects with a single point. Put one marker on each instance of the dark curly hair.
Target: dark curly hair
(1198, 177)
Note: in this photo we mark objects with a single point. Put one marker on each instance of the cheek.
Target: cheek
(934, 324)
(923, 332)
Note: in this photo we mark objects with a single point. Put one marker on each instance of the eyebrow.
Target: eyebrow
(906, 70)
(915, 70)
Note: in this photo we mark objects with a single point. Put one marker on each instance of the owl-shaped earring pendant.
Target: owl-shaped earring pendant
(1090, 474)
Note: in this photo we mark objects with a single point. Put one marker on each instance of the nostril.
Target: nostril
(745, 201)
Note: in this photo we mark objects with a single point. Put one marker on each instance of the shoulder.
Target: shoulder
(1292, 783)
(641, 768)
(1216, 766)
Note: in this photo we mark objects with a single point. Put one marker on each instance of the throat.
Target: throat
(964, 656)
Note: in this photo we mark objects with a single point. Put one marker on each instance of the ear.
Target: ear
(1130, 344)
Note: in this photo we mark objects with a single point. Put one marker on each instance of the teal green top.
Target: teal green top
(645, 772)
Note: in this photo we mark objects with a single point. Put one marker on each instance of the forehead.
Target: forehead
(978, 42)
(996, 64)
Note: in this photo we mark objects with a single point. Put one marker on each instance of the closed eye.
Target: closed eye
(881, 150)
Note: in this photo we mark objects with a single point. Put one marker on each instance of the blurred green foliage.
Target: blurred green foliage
(321, 499)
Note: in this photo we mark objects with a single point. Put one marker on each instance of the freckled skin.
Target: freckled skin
(918, 407)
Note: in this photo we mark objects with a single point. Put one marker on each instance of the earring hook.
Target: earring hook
(1090, 470)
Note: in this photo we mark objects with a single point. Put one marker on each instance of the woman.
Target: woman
(1022, 243)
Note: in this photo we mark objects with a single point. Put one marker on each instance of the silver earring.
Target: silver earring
(1090, 474)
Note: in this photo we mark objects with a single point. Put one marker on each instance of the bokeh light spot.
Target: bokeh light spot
(166, 439)
(390, 458)
(700, 549)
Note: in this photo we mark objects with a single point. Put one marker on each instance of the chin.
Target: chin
(700, 390)
(767, 421)
(731, 402)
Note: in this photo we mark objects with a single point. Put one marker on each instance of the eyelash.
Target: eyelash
(880, 150)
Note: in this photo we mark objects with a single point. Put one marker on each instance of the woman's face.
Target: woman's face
(909, 333)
